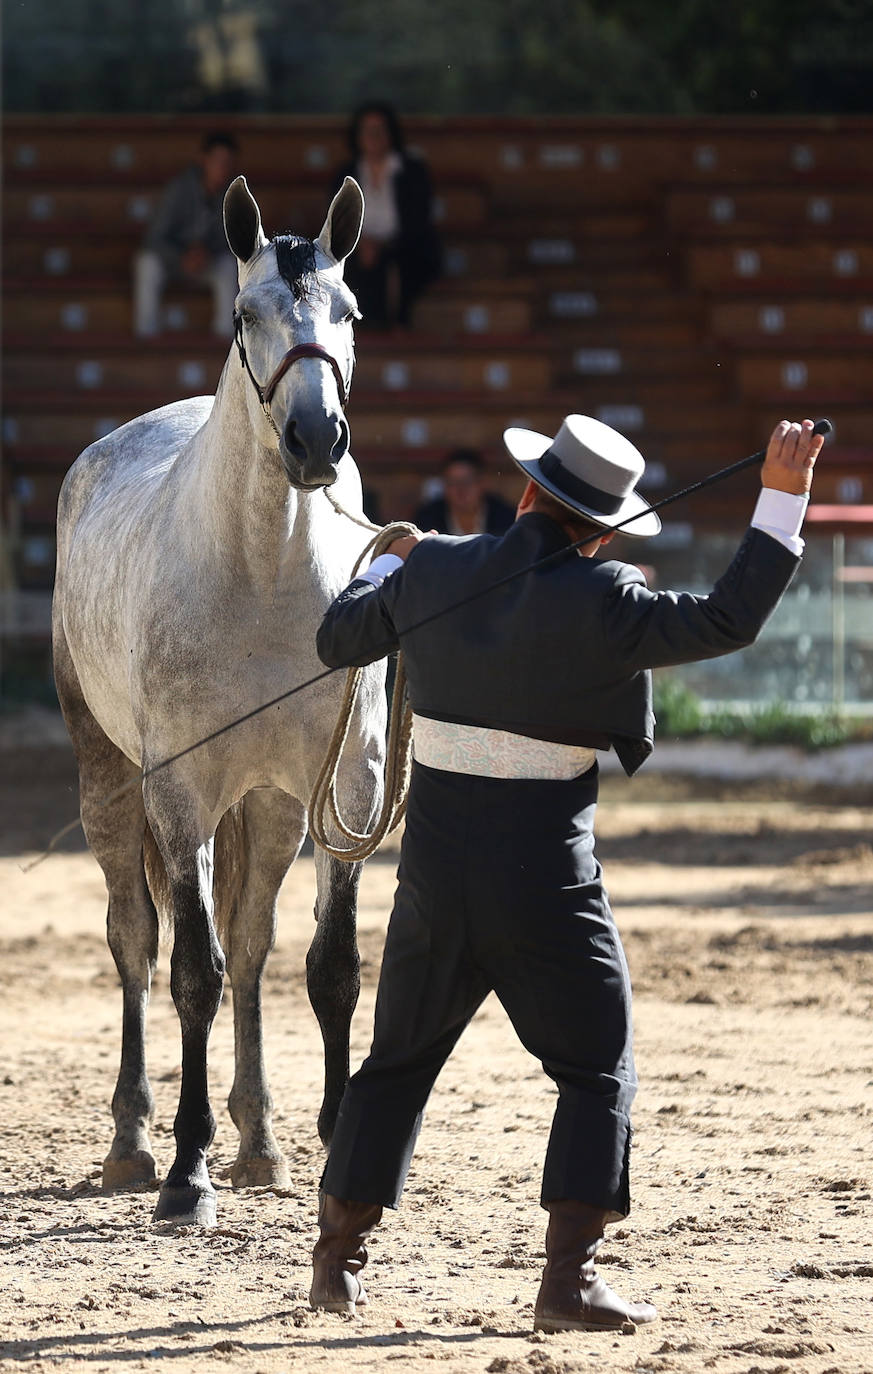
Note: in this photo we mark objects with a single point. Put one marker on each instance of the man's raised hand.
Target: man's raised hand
(791, 455)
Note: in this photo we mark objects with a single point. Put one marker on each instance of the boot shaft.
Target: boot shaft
(341, 1218)
(574, 1233)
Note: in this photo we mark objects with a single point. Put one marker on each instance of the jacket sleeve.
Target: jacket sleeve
(645, 629)
(357, 628)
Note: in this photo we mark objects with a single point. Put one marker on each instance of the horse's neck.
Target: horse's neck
(247, 510)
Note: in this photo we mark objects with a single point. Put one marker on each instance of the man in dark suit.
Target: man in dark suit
(499, 888)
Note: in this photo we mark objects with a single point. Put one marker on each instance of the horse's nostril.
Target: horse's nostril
(341, 446)
(293, 442)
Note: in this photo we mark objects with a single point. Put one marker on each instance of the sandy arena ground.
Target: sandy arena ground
(746, 911)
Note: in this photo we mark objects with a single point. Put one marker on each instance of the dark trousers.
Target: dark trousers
(498, 889)
(388, 290)
(377, 288)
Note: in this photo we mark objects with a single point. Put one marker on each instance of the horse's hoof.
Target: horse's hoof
(260, 1172)
(129, 1172)
(186, 1206)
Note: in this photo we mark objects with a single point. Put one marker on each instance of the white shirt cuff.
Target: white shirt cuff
(780, 514)
(380, 568)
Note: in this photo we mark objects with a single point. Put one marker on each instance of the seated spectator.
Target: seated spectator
(399, 251)
(465, 507)
(185, 240)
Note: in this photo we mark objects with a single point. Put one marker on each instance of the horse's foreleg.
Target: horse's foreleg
(333, 976)
(196, 982)
(274, 825)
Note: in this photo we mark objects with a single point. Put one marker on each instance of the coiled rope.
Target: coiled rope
(324, 807)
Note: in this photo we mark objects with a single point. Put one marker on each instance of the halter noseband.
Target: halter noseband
(304, 350)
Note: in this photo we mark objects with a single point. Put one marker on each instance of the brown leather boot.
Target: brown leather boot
(340, 1253)
(573, 1296)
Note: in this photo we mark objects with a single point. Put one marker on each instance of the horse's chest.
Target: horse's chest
(230, 675)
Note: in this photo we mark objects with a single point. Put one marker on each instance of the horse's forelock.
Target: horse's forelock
(295, 258)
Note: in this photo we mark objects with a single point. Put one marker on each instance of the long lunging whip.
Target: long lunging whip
(394, 802)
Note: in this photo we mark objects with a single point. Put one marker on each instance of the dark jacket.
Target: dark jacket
(561, 653)
(417, 248)
(186, 215)
(499, 515)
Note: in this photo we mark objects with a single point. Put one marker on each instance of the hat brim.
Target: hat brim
(526, 448)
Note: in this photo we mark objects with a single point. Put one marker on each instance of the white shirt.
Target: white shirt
(381, 220)
(780, 514)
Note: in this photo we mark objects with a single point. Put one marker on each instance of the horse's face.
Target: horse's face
(294, 318)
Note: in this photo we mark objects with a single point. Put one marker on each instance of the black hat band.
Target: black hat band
(604, 501)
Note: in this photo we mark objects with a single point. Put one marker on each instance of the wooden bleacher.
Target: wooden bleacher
(778, 211)
(761, 266)
(686, 280)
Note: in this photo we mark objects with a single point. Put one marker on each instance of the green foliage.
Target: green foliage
(94, 55)
(682, 715)
(678, 710)
(494, 57)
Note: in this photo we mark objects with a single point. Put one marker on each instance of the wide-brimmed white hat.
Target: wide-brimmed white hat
(589, 467)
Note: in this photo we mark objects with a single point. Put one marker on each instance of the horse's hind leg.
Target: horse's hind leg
(274, 825)
(115, 835)
(333, 976)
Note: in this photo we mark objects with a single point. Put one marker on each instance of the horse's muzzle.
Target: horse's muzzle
(311, 456)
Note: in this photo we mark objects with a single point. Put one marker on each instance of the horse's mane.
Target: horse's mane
(295, 257)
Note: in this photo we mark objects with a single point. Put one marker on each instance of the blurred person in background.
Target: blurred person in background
(465, 506)
(185, 240)
(398, 255)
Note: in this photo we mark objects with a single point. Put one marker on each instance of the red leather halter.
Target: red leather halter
(304, 350)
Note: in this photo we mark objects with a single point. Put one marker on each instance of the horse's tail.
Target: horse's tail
(230, 861)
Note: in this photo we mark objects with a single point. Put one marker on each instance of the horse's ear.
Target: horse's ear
(342, 228)
(242, 220)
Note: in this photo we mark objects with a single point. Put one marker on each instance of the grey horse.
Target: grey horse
(197, 552)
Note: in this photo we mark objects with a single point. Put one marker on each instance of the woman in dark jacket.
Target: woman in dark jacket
(399, 251)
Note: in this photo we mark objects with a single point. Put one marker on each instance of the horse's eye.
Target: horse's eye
(246, 317)
(351, 316)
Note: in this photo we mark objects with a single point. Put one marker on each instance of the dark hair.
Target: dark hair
(388, 113)
(471, 456)
(218, 138)
(549, 505)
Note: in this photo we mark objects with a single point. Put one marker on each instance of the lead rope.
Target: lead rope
(324, 809)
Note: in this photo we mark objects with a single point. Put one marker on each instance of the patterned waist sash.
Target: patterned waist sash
(495, 753)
